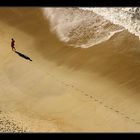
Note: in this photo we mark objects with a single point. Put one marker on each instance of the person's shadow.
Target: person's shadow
(23, 55)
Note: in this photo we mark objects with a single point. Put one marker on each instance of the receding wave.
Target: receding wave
(86, 27)
(80, 28)
(129, 18)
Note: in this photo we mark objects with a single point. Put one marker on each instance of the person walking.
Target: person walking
(13, 45)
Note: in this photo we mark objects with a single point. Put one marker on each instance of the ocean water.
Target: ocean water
(129, 18)
(86, 27)
(78, 27)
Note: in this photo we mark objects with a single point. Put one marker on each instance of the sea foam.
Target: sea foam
(86, 27)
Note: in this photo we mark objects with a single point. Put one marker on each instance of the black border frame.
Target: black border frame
(68, 3)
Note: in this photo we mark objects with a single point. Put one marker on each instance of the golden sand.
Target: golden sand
(66, 88)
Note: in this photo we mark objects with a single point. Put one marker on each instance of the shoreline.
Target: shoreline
(67, 89)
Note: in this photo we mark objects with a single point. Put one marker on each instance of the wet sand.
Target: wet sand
(66, 88)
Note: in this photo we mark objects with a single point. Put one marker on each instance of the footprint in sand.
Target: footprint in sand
(117, 111)
(90, 96)
(95, 100)
(127, 117)
(138, 122)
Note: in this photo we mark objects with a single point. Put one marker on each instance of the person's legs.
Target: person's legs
(13, 49)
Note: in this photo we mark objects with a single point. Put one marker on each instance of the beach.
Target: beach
(66, 88)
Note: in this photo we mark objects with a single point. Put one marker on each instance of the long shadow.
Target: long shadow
(23, 55)
(113, 59)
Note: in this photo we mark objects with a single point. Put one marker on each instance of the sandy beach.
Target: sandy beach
(66, 89)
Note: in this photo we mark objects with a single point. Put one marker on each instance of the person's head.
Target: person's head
(12, 39)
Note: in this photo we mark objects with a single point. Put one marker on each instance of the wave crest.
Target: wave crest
(80, 28)
(129, 18)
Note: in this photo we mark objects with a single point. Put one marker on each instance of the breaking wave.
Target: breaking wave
(86, 27)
